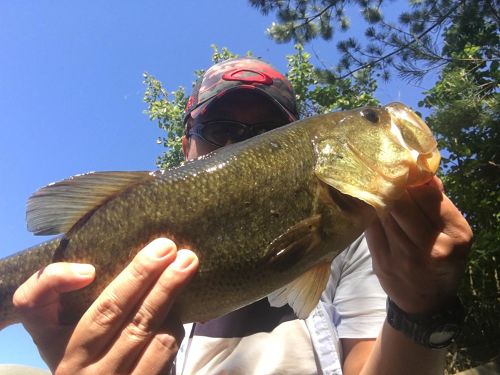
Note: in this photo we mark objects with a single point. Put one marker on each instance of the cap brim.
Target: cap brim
(214, 99)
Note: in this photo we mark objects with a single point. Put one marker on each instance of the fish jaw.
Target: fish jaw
(414, 135)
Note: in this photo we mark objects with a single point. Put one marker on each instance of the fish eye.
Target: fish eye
(370, 115)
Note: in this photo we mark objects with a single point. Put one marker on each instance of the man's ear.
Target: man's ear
(185, 146)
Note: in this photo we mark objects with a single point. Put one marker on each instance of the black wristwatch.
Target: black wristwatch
(432, 331)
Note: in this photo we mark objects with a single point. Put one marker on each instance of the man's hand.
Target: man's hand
(126, 330)
(420, 248)
(419, 251)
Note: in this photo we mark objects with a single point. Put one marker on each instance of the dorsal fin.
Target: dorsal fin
(57, 207)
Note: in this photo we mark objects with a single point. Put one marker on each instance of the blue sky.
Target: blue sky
(71, 93)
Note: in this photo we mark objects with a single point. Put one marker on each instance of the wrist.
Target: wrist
(436, 330)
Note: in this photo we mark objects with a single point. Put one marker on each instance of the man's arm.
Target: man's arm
(390, 353)
(418, 252)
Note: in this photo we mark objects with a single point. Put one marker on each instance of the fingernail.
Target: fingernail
(158, 248)
(183, 260)
(83, 269)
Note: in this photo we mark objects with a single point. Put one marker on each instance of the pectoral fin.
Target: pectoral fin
(297, 242)
(303, 293)
(290, 247)
(57, 207)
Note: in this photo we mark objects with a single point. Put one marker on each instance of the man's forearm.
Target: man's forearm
(394, 353)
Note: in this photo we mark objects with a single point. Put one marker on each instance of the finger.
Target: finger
(456, 235)
(403, 249)
(416, 225)
(101, 322)
(159, 355)
(37, 299)
(378, 246)
(436, 181)
(389, 246)
(375, 237)
(149, 317)
(37, 302)
(442, 212)
(429, 198)
(396, 261)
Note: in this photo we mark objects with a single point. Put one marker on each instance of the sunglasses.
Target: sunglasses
(221, 132)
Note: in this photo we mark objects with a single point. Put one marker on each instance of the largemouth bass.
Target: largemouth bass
(265, 216)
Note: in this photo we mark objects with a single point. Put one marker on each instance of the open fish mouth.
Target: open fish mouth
(414, 135)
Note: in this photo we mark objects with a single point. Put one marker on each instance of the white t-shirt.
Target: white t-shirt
(260, 339)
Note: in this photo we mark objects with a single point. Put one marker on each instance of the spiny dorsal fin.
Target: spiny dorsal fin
(303, 293)
(57, 207)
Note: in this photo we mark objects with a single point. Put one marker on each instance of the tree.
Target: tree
(459, 40)
(167, 111)
(412, 46)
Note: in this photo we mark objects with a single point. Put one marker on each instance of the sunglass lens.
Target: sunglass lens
(224, 133)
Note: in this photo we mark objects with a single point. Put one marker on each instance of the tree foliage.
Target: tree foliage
(318, 91)
(410, 44)
(167, 111)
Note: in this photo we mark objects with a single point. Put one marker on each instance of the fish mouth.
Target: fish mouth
(414, 135)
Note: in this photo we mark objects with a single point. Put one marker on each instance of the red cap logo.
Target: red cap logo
(257, 77)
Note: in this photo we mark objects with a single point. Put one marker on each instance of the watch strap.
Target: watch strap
(425, 329)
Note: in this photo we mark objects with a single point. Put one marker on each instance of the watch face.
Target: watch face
(442, 335)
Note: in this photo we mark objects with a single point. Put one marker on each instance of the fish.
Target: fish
(265, 216)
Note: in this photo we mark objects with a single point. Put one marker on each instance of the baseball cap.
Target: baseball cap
(241, 73)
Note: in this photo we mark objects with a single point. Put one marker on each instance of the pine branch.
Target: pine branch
(308, 20)
(403, 47)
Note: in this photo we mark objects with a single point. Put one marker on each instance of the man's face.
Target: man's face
(243, 106)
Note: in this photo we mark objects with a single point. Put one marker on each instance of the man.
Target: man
(418, 254)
